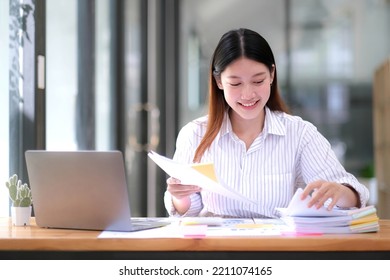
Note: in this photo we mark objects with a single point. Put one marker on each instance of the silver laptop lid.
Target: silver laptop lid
(79, 189)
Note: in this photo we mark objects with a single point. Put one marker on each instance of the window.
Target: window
(61, 83)
(63, 62)
(4, 107)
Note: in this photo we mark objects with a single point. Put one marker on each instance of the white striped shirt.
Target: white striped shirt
(288, 154)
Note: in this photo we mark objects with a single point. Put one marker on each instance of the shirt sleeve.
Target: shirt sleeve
(186, 144)
(319, 162)
(194, 210)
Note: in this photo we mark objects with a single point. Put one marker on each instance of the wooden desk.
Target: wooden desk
(34, 242)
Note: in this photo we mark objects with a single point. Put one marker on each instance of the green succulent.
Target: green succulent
(19, 193)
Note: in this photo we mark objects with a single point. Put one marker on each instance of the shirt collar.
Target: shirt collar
(272, 125)
(226, 125)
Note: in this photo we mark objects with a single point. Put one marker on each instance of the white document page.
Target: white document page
(298, 207)
(189, 176)
(201, 228)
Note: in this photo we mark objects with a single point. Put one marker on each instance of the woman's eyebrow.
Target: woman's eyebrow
(255, 75)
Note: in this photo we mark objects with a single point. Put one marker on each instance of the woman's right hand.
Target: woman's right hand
(179, 191)
(181, 194)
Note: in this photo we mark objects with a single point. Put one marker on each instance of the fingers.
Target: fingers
(310, 188)
(321, 191)
(319, 197)
(172, 180)
(180, 191)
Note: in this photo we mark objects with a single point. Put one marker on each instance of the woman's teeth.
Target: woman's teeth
(248, 104)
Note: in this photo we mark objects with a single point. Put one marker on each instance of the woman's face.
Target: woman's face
(247, 85)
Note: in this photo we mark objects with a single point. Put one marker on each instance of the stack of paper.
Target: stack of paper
(302, 219)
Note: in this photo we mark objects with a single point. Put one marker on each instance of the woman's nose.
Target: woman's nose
(248, 92)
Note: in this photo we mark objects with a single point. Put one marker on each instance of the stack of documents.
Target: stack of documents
(302, 219)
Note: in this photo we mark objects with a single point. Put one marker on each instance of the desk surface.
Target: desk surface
(33, 238)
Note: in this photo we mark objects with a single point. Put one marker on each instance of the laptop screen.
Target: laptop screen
(79, 189)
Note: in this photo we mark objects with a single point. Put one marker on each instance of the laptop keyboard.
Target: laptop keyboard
(148, 223)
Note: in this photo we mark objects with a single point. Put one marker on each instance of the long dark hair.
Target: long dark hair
(232, 46)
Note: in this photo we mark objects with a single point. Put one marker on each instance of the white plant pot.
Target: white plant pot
(21, 215)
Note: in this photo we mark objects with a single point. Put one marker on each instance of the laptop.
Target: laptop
(82, 190)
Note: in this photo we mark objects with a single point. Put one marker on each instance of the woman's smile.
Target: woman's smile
(250, 105)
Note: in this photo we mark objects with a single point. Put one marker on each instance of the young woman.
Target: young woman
(257, 147)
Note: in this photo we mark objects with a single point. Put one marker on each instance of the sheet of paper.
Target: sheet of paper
(248, 227)
(206, 169)
(298, 207)
(193, 175)
(169, 231)
(229, 227)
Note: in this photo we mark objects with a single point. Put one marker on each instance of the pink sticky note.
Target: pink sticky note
(194, 231)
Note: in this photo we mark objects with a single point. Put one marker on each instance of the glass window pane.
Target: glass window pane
(335, 49)
(61, 53)
(103, 96)
(4, 107)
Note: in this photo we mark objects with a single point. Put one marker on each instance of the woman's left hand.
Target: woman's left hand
(322, 190)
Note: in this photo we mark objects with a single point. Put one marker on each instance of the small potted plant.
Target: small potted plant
(21, 197)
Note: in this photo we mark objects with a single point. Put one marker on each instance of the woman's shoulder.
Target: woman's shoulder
(293, 121)
(197, 126)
